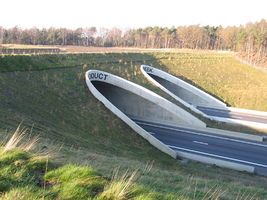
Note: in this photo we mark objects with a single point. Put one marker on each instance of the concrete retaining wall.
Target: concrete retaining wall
(187, 94)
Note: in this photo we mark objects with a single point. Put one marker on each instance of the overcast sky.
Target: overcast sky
(129, 13)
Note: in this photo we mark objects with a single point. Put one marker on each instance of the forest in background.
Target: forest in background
(249, 40)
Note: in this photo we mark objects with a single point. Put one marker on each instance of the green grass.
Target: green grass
(24, 175)
(49, 93)
(43, 62)
(27, 176)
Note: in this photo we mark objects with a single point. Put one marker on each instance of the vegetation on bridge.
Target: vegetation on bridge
(48, 93)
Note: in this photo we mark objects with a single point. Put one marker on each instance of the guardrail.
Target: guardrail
(29, 50)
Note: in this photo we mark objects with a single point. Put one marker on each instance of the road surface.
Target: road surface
(203, 143)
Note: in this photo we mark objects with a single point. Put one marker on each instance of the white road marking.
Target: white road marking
(213, 136)
(218, 156)
(198, 142)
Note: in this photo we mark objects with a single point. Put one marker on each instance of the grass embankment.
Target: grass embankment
(43, 62)
(26, 176)
(63, 111)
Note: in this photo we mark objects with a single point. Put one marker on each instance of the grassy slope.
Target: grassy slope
(27, 176)
(237, 84)
(62, 110)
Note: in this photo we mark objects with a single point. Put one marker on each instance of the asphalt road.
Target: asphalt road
(233, 114)
(202, 143)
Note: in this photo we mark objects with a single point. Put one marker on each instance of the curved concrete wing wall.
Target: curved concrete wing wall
(128, 100)
(185, 93)
(203, 103)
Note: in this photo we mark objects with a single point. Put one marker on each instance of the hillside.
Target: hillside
(27, 176)
(48, 93)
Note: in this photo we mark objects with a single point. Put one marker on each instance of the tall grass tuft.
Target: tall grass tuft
(18, 140)
(120, 188)
(214, 193)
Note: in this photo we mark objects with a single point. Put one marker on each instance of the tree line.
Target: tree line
(250, 39)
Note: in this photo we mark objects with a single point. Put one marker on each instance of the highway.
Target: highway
(232, 114)
(205, 144)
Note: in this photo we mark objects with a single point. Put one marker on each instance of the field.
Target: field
(48, 93)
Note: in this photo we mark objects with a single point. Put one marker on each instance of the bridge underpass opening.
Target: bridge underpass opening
(180, 92)
(135, 106)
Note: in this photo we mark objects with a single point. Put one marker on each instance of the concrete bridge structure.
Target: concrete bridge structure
(173, 130)
(203, 103)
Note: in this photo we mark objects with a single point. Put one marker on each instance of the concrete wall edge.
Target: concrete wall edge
(217, 162)
(248, 124)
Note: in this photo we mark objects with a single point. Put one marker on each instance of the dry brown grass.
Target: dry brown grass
(19, 140)
(120, 188)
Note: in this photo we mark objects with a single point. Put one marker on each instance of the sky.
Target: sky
(129, 13)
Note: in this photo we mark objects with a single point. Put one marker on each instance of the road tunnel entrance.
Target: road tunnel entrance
(179, 91)
(135, 106)
(182, 91)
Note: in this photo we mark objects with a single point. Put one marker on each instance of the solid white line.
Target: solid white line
(208, 135)
(198, 142)
(218, 156)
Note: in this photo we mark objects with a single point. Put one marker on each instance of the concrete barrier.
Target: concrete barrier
(225, 133)
(231, 134)
(95, 75)
(247, 111)
(217, 162)
(258, 126)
